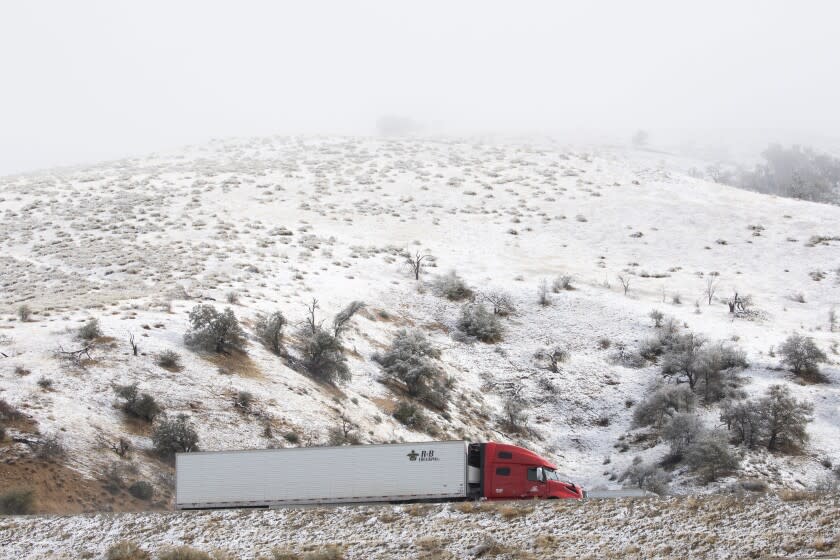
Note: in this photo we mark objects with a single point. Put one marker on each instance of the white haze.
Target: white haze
(84, 81)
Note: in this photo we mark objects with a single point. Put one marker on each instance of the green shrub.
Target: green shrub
(410, 360)
(452, 287)
(269, 330)
(175, 435)
(410, 415)
(17, 501)
(142, 490)
(323, 356)
(169, 359)
(213, 331)
(477, 321)
(138, 405)
(90, 330)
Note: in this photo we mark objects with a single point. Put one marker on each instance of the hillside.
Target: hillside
(268, 224)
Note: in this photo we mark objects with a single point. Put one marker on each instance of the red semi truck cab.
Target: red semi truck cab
(499, 471)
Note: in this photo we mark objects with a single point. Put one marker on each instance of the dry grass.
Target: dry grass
(796, 495)
(235, 362)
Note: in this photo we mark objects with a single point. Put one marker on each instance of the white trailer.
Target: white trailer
(310, 475)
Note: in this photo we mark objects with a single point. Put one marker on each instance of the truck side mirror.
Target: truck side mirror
(540, 474)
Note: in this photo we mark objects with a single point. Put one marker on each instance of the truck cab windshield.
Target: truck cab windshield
(550, 475)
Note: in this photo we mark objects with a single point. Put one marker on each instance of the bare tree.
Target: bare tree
(75, 357)
(415, 262)
(711, 287)
(310, 315)
(625, 282)
(133, 342)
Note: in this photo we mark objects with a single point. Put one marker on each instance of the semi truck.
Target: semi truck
(399, 472)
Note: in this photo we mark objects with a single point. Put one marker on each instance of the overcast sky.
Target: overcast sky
(83, 81)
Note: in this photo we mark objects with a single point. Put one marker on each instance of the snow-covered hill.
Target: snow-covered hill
(271, 223)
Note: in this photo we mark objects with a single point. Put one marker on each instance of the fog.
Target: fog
(84, 81)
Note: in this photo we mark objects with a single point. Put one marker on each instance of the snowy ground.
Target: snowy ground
(138, 242)
(717, 527)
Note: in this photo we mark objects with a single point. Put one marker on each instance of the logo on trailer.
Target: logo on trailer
(423, 456)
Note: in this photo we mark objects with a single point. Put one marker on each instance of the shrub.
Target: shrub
(710, 456)
(126, 550)
(501, 302)
(343, 433)
(785, 419)
(542, 294)
(802, 355)
(232, 297)
(513, 417)
(2, 433)
(292, 438)
(552, 357)
(322, 355)
(142, 490)
(17, 501)
(269, 331)
(452, 287)
(138, 405)
(562, 282)
(213, 331)
(646, 476)
(244, 400)
(174, 435)
(51, 449)
(476, 321)
(410, 360)
(744, 419)
(45, 383)
(681, 431)
(24, 313)
(184, 553)
(169, 359)
(657, 317)
(90, 330)
(8, 412)
(664, 403)
(410, 415)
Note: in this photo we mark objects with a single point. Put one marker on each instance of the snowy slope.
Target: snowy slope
(138, 242)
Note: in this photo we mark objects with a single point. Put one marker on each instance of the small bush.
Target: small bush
(656, 316)
(292, 438)
(322, 355)
(45, 383)
(269, 331)
(562, 282)
(126, 550)
(410, 415)
(710, 457)
(90, 330)
(244, 400)
(51, 449)
(138, 405)
(24, 313)
(232, 297)
(476, 321)
(184, 553)
(802, 355)
(17, 501)
(604, 343)
(169, 359)
(551, 358)
(175, 435)
(142, 490)
(542, 294)
(682, 430)
(411, 360)
(513, 418)
(452, 287)
(8, 412)
(213, 331)
(664, 403)
(646, 476)
(501, 303)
